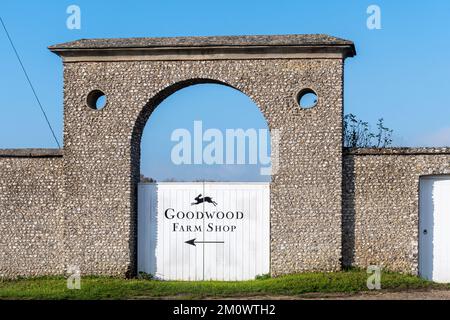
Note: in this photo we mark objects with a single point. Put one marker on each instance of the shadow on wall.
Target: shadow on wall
(348, 212)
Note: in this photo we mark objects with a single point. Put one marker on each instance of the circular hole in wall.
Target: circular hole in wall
(307, 98)
(96, 100)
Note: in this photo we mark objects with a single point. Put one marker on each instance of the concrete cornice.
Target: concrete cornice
(206, 48)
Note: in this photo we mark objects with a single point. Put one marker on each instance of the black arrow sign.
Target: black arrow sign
(192, 242)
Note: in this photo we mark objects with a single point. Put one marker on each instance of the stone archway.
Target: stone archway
(101, 153)
(154, 255)
(146, 112)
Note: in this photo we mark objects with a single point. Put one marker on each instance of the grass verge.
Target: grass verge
(351, 281)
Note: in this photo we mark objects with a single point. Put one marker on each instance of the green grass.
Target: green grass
(351, 281)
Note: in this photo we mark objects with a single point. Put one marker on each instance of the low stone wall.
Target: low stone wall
(381, 204)
(380, 217)
(31, 228)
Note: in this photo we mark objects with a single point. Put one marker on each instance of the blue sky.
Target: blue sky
(401, 72)
(217, 107)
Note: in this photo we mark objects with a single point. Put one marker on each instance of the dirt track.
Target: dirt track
(379, 295)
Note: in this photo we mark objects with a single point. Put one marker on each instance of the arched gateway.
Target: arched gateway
(91, 203)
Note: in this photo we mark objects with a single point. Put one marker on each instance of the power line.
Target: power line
(29, 82)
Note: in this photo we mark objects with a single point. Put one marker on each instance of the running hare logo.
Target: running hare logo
(198, 200)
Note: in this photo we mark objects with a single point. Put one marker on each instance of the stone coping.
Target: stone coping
(31, 153)
(55, 153)
(396, 151)
(214, 41)
(202, 48)
(39, 153)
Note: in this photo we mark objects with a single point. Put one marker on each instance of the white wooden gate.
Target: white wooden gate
(204, 231)
(434, 228)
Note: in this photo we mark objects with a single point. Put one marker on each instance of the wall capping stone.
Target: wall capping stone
(31, 153)
(206, 48)
(396, 151)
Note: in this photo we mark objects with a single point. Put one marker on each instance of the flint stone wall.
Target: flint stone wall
(379, 221)
(381, 204)
(31, 224)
